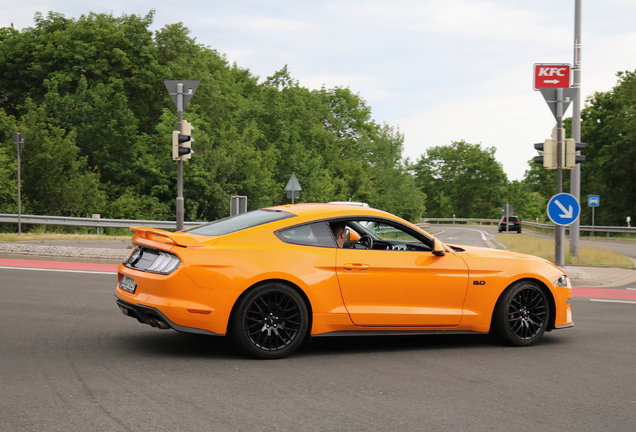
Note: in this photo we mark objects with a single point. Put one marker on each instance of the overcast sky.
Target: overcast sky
(439, 70)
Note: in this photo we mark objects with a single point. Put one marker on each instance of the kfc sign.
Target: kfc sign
(551, 75)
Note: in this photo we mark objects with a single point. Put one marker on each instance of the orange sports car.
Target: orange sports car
(272, 277)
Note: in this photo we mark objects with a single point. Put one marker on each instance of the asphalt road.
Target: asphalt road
(72, 361)
(466, 235)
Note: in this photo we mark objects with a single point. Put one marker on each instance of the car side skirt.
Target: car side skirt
(393, 332)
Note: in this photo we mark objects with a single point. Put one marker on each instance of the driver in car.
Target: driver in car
(340, 232)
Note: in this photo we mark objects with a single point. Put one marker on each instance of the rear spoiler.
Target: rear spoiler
(166, 237)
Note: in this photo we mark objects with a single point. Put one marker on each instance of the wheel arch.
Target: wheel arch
(545, 288)
(292, 285)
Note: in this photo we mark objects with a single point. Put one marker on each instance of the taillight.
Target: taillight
(152, 260)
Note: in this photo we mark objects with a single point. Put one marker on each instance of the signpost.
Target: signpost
(553, 80)
(293, 188)
(19, 143)
(593, 201)
(181, 92)
(507, 211)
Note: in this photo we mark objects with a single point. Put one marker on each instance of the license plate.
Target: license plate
(127, 284)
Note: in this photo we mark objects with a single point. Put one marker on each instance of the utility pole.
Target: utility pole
(575, 174)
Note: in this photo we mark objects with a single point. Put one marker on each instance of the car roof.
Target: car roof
(329, 210)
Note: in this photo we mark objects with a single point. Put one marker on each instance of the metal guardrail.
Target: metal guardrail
(91, 222)
(584, 228)
(171, 225)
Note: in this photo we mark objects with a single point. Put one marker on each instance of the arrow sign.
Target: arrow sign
(567, 213)
(563, 209)
(552, 75)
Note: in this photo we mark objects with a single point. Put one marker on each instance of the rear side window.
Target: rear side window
(239, 222)
(315, 234)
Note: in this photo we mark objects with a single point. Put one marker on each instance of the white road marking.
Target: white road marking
(613, 301)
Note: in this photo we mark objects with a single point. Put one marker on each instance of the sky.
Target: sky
(439, 71)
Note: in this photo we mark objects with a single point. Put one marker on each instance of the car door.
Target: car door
(402, 288)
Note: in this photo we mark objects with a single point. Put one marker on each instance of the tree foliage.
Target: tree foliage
(462, 179)
(89, 94)
(609, 131)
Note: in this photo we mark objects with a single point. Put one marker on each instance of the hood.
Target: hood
(486, 252)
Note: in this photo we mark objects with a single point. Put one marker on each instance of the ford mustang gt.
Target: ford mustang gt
(272, 277)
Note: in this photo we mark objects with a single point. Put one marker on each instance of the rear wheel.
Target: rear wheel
(522, 314)
(270, 321)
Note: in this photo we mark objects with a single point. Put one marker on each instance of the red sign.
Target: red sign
(551, 75)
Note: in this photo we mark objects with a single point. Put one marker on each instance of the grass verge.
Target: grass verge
(545, 249)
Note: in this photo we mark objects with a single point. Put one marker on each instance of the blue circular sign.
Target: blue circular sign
(563, 209)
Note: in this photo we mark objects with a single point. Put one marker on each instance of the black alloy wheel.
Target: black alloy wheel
(522, 314)
(270, 322)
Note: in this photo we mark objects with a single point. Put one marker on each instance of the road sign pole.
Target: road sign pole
(563, 210)
(19, 142)
(179, 201)
(181, 92)
(553, 80)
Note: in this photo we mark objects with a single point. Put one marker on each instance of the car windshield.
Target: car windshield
(239, 222)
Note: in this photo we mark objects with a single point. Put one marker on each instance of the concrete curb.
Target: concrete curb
(66, 253)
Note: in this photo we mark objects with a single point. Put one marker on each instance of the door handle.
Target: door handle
(356, 266)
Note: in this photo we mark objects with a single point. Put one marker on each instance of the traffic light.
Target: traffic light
(549, 157)
(186, 148)
(571, 158)
(182, 142)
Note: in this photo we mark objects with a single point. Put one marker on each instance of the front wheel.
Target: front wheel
(521, 315)
(270, 322)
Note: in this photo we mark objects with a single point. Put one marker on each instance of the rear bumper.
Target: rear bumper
(153, 317)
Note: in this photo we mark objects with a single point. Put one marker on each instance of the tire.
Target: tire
(270, 322)
(522, 314)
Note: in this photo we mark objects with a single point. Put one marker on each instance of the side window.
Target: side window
(315, 234)
(387, 236)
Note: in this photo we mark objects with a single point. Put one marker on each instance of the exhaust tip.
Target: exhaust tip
(158, 323)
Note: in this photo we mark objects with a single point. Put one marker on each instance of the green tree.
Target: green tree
(8, 165)
(461, 179)
(57, 180)
(609, 131)
(540, 180)
(528, 205)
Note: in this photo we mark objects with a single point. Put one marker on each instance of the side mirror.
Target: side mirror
(438, 248)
